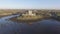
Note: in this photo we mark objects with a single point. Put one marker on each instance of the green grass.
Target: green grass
(29, 17)
(58, 14)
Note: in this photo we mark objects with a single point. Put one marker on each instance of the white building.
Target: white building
(30, 13)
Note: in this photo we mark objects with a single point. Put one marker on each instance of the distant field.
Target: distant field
(7, 12)
(4, 12)
(58, 14)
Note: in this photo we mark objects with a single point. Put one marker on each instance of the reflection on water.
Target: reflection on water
(44, 26)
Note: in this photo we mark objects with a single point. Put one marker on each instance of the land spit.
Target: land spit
(27, 20)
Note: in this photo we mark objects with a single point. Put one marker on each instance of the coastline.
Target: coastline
(16, 20)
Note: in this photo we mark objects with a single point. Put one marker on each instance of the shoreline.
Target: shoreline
(27, 21)
(16, 20)
(4, 15)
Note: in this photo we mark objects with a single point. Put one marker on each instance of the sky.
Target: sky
(29, 4)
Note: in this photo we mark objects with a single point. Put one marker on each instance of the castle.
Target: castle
(29, 13)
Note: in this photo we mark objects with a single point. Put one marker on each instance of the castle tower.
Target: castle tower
(30, 12)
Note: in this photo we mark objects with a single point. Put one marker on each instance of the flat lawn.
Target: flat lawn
(29, 17)
(58, 14)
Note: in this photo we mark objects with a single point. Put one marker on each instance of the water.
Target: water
(45, 26)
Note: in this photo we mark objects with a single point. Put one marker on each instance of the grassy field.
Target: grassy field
(4, 12)
(58, 14)
(30, 17)
(7, 12)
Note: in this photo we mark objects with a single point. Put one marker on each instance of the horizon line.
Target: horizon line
(33, 9)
